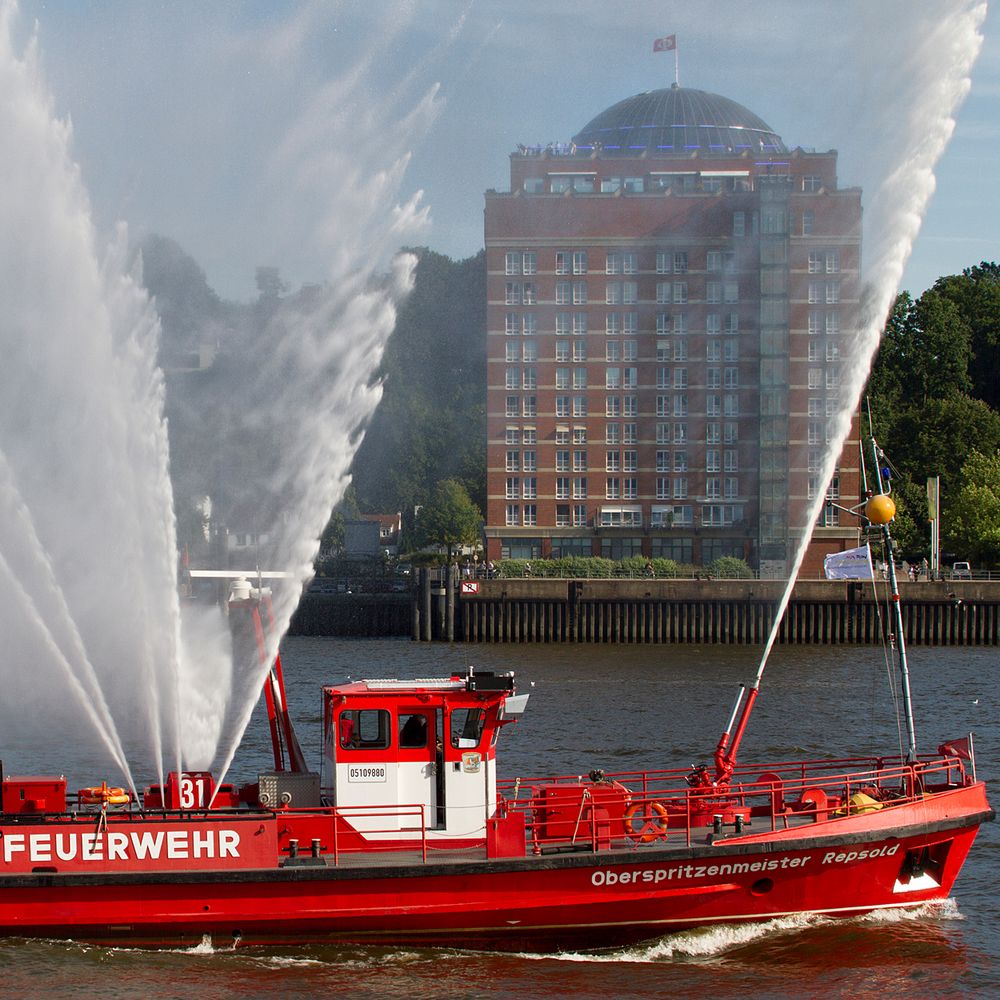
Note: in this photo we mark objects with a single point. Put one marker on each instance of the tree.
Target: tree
(449, 518)
(975, 293)
(971, 519)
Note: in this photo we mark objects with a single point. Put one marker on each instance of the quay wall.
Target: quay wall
(952, 613)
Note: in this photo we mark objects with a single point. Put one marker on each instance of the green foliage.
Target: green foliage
(730, 568)
(592, 568)
(973, 513)
(934, 393)
(431, 423)
(449, 518)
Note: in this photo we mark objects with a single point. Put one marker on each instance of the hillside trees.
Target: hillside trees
(933, 390)
(431, 423)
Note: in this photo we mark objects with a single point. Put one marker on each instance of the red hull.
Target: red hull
(849, 865)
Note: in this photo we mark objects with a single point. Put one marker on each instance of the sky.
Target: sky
(230, 126)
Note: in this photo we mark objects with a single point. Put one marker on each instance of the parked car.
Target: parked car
(961, 571)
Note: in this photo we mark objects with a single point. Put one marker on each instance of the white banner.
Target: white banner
(854, 564)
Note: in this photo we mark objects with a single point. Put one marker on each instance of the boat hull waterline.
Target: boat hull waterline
(842, 867)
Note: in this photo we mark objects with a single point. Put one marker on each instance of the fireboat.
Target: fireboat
(409, 835)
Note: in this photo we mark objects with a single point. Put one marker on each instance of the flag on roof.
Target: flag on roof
(667, 44)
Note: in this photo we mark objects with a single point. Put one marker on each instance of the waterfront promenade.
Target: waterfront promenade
(948, 613)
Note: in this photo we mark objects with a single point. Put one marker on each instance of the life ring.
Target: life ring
(101, 795)
(646, 822)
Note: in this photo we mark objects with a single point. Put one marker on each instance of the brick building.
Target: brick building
(667, 299)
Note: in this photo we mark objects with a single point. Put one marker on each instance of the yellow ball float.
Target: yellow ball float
(880, 509)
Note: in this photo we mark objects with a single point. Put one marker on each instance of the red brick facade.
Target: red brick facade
(664, 342)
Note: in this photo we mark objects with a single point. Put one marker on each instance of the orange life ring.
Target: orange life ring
(653, 822)
(101, 795)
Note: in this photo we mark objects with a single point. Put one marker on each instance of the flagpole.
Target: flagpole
(677, 68)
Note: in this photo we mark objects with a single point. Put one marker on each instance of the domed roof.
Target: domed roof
(678, 121)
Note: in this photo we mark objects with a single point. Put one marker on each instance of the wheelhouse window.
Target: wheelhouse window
(412, 731)
(467, 727)
(364, 729)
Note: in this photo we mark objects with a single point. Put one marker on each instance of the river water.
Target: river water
(617, 708)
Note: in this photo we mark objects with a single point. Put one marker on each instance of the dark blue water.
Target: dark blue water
(619, 708)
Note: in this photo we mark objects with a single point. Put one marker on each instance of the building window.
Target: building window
(513, 406)
(531, 514)
(664, 262)
(612, 462)
(529, 406)
(812, 183)
(513, 461)
(579, 406)
(562, 460)
(612, 489)
(713, 460)
(613, 324)
(562, 515)
(664, 289)
(613, 263)
(713, 292)
(579, 515)
(511, 435)
(630, 460)
(562, 378)
(663, 433)
(612, 350)
(630, 488)
(580, 262)
(562, 487)
(680, 433)
(562, 406)
(739, 224)
(562, 262)
(612, 433)
(612, 378)
(612, 406)
(529, 487)
(513, 487)
(680, 292)
(579, 293)
(680, 461)
(580, 461)
(513, 514)
(579, 378)
(613, 293)
(680, 262)
(680, 487)
(630, 292)
(630, 434)
(579, 323)
(579, 350)
(662, 488)
(579, 487)
(663, 461)
(530, 460)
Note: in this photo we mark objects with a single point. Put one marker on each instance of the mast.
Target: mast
(880, 510)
